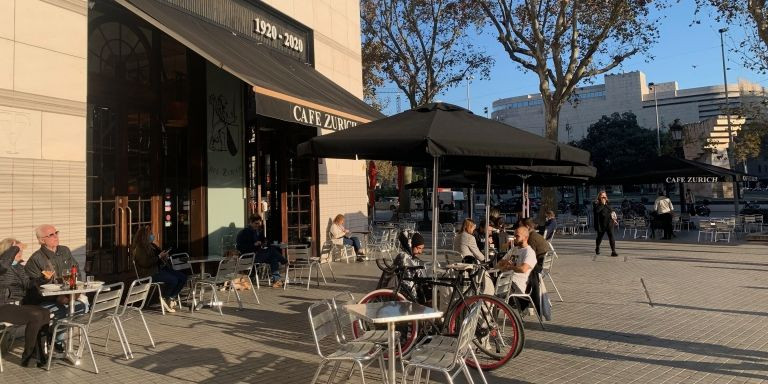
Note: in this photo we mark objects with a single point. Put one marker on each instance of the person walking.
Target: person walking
(663, 207)
(605, 220)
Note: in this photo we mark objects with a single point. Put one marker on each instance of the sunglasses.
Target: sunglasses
(51, 235)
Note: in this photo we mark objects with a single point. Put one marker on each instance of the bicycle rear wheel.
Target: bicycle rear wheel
(408, 330)
(499, 335)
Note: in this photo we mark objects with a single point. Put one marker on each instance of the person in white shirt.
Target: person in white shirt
(663, 207)
(520, 260)
(341, 235)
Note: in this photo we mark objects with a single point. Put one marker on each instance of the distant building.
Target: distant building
(630, 92)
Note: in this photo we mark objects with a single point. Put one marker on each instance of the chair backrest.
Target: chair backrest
(227, 269)
(343, 317)
(180, 262)
(468, 327)
(504, 285)
(549, 260)
(137, 294)
(245, 263)
(301, 254)
(135, 269)
(325, 252)
(323, 323)
(107, 298)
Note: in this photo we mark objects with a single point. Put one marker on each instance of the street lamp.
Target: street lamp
(730, 150)
(656, 105)
(469, 80)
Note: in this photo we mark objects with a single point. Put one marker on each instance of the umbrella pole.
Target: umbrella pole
(435, 220)
(487, 206)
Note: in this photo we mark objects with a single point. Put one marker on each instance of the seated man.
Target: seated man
(520, 260)
(57, 258)
(536, 242)
(252, 240)
(341, 235)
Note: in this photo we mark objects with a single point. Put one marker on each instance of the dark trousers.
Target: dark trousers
(173, 281)
(611, 240)
(273, 257)
(32, 316)
(666, 224)
(354, 242)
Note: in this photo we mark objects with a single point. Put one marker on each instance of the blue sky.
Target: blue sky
(687, 54)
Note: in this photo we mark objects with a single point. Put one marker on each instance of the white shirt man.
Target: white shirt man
(663, 205)
(520, 260)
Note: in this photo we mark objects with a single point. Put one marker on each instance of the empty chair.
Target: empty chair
(722, 231)
(224, 274)
(324, 324)
(583, 222)
(641, 226)
(245, 264)
(5, 329)
(629, 227)
(357, 331)
(105, 302)
(707, 228)
(447, 358)
(300, 259)
(546, 269)
(132, 307)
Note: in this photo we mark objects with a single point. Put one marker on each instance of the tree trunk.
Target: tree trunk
(549, 194)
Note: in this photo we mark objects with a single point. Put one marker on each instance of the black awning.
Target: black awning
(286, 89)
(671, 170)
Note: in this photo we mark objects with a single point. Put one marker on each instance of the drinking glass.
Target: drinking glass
(89, 279)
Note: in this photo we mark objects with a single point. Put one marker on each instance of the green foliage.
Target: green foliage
(750, 140)
(617, 141)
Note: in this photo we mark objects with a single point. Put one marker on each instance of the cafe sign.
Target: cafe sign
(317, 118)
(693, 179)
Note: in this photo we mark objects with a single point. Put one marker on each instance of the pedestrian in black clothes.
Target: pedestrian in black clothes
(605, 220)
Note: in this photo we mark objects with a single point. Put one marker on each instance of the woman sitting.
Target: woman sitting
(152, 261)
(14, 285)
(466, 244)
(341, 235)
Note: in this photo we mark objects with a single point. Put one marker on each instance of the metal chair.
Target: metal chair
(722, 228)
(137, 295)
(641, 224)
(5, 328)
(224, 274)
(245, 265)
(707, 228)
(583, 222)
(299, 260)
(546, 268)
(629, 226)
(448, 358)
(322, 320)
(357, 329)
(505, 284)
(106, 303)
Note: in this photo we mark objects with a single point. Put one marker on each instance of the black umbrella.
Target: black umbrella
(436, 131)
(668, 169)
(440, 130)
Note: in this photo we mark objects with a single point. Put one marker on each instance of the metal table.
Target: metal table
(391, 312)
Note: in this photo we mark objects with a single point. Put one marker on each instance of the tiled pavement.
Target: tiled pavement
(708, 324)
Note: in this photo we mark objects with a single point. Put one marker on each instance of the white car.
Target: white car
(388, 203)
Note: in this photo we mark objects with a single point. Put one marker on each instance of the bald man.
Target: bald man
(520, 260)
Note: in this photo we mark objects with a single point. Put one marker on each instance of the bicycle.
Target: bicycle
(499, 336)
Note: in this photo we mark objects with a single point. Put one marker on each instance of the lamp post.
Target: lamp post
(676, 130)
(469, 80)
(658, 131)
(730, 150)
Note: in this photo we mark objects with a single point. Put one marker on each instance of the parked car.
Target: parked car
(388, 203)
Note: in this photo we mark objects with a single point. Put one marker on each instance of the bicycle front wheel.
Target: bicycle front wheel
(408, 330)
(499, 335)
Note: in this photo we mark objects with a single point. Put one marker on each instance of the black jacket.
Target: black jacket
(602, 217)
(15, 285)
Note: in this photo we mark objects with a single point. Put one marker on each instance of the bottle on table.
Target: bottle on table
(73, 277)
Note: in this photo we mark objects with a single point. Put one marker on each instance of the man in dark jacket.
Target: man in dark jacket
(252, 240)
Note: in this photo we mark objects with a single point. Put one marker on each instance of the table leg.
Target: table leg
(69, 354)
(391, 345)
